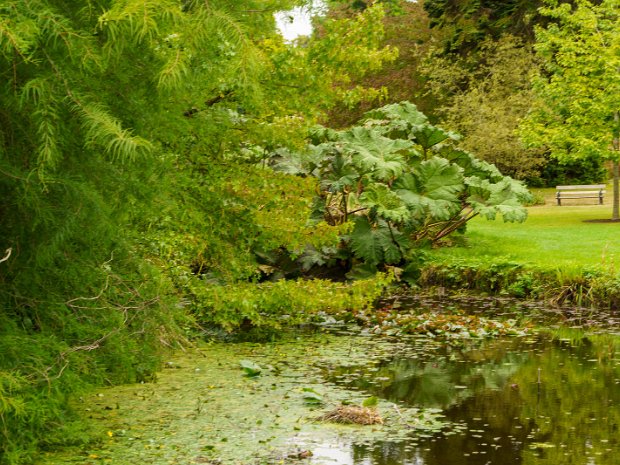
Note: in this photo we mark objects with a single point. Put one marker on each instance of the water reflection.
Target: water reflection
(541, 401)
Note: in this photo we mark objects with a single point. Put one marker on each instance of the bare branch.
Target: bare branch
(7, 254)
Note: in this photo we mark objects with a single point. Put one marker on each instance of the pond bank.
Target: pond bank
(589, 287)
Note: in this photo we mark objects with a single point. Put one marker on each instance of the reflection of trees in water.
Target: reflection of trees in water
(571, 417)
(576, 408)
(388, 453)
(486, 444)
(437, 380)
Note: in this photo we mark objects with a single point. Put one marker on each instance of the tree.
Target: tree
(92, 101)
(406, 30)
(577, 110)
(491, 80)
(124, 126)
(469, 22)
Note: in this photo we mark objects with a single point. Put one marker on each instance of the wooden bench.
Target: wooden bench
(590, 191)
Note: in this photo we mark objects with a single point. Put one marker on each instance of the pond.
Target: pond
(542, 398)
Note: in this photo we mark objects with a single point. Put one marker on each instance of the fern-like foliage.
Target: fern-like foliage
(94, 142)
(136, 21)
(102, 129)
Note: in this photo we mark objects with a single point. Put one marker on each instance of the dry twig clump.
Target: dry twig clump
(353, 414)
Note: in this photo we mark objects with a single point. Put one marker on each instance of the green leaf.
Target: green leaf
(393, 243)
(405, 112)
(440, 180)
(385, 202)
(320, 134)
(471, 165)
(376, 243)
(504, 198)
(395, 120)
(339, 174)
(364, 242)
(427, 135)
(377, 156)
(369, 402)
(312, 397)
(433, 188)
(250, 368)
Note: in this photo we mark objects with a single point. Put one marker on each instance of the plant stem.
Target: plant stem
(402, 255)
(616, 169)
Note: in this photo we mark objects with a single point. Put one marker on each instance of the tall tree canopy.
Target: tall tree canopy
(496, 82)
(577, 113)
(471, 21)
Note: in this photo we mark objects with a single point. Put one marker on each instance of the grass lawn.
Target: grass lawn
(552, 236)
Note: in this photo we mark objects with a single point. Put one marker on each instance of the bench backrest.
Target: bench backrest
(585, 186)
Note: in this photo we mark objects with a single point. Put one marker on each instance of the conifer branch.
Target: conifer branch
(12, 176)
(100, 126)
(11, 38)
(172, 73)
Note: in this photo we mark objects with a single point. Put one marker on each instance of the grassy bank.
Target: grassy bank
(561, 253)
(566, 237)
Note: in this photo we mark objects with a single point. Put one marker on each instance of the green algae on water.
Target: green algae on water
(204, 408)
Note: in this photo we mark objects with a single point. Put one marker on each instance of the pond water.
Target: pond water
(544, 398)
(534, 401)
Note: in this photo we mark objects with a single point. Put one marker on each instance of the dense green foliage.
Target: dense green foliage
(496, 82)
(129, 133)
(577, 114)
(402, 183)
(406, 28)
(487, 65)
(470, 22)
(271, 306)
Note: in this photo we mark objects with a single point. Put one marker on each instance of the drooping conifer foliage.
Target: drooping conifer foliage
(125, 132)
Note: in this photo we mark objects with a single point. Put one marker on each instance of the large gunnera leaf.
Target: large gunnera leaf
(320, 134)
(433, 188)
(504, 198)
(385, 202)
(427, 135)
(339, 174)
(379, 157)
(375, 243)
(395, 120)
(471, 165)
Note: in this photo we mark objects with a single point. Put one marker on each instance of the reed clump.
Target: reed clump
(353, 414)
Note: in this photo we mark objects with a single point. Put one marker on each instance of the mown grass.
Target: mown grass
(552, 237)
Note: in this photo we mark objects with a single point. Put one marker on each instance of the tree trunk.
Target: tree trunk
(615, 216)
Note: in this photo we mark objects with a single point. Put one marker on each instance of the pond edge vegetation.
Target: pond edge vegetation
(586, 287)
